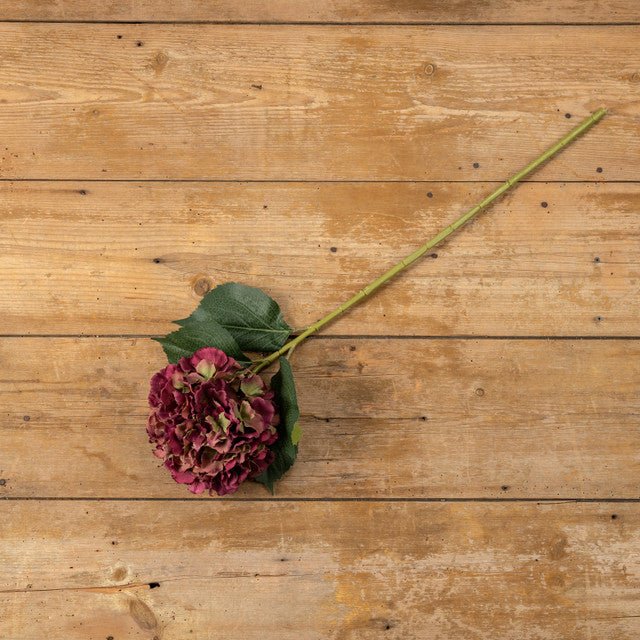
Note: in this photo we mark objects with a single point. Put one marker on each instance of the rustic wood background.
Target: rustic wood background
(470, 465)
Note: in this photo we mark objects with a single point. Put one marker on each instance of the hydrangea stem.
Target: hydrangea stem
(418, 253)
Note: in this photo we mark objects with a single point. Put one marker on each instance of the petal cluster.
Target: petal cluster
(211, 421)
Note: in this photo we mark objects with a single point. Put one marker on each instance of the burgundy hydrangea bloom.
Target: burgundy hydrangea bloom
(212, 422)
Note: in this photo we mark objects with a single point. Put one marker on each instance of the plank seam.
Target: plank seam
(305, 181)
(327, 23)
(562, 500)
(125, 336)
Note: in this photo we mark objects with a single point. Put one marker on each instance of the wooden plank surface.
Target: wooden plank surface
(365, 11)
(314, 103)
(118, 258)
(393, 418)
(320, 570)
(447, 487)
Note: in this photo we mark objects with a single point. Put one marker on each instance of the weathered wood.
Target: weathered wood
(251, 102)
(367, 11)
(358, 547)
(393, 418)
(118, 258)
(78, 570)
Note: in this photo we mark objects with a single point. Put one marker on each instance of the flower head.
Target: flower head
(212, 422)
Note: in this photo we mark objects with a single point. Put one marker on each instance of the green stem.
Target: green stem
(418, 253)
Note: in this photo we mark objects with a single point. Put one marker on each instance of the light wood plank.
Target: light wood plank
(319, 570)
(393, 418)
(118, 258)
(404, 11)
(251, 102)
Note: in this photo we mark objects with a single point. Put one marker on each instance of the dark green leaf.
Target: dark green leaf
(247, 313)
(285, 449)
(195, 335)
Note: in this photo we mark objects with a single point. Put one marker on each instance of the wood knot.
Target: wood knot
(160, 61)
(201, 286)
(429, 69)
(480, 392)
(119, 574)
(142, 614)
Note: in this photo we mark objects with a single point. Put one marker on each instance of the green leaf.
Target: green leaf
(248, 314)
(296, 434)
(195, 335)
(285, 448)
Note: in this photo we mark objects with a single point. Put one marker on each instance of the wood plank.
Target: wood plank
(319, 570)
(367, 11)
(314, 102)
(118, 258)
(393, 418)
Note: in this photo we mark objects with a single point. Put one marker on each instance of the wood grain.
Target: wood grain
(435, 493)
(392, 418)
(319, 570)
(366, 11)
(118, 258)
(314, 103)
